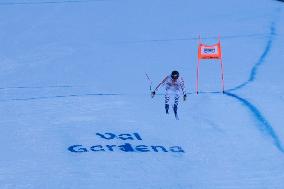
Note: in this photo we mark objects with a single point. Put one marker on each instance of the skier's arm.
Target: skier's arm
(156, 89)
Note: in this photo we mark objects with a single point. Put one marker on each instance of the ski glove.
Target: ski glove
(153, 94)
(184, 97)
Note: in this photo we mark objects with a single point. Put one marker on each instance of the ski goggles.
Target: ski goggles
(174, 76)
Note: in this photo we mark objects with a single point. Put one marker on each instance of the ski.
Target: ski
(175, 111)
(176, 116)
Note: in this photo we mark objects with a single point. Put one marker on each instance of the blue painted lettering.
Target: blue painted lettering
(142, 148)
(97, 148)
(107, 136)
(176, 149)
(125, 137)
(77, 148)
(126, 147)
(110, 147)
(137, 136)
(155, 148)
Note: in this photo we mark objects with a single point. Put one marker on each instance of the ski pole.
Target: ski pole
(149, 81)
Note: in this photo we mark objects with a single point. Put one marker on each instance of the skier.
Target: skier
(173, 85)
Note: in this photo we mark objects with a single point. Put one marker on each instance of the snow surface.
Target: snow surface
(72, 71)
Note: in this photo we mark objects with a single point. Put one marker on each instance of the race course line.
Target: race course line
(36, 87)
(49, 2)
(264, 125)
(261, 60)
(59, 96)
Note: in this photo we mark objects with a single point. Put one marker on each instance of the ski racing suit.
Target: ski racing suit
(173, 89)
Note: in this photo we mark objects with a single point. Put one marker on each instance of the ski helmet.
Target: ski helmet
(175, 74)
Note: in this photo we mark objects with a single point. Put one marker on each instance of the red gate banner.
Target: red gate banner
(209, 52)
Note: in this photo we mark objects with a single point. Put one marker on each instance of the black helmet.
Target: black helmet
(175, 74)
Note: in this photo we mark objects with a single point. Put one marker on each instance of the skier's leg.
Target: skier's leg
(167, 99)
(175, 107)
(176, 100)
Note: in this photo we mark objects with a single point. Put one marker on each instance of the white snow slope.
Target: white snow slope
(76, 110)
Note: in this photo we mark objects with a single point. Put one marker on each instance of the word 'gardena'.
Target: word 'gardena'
(126, 147)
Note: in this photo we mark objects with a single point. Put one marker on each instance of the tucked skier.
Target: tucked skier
(174, 85)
